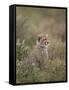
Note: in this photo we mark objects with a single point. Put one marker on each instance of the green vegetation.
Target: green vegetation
(30, 22)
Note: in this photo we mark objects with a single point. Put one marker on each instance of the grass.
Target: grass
(55, 67)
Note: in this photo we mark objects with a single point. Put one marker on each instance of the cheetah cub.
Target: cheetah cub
(40, 52)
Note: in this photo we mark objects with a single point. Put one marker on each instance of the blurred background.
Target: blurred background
(32, 21)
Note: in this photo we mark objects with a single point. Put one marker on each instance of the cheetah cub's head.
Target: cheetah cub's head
(42, 40)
